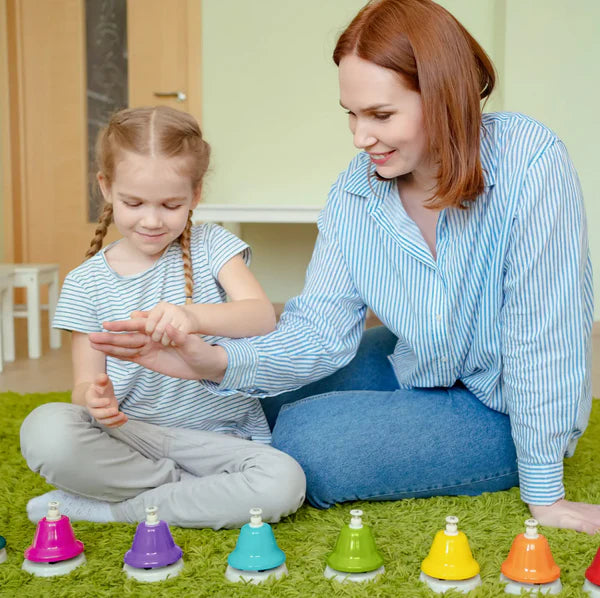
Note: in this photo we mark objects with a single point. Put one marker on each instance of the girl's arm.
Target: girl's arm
(91, 386)
(87, 364)
(248, 312)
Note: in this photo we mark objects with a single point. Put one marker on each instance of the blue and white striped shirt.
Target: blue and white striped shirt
(506, 307)
(94, 293)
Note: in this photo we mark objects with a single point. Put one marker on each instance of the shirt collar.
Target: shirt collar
(488, 155)
(362, 180)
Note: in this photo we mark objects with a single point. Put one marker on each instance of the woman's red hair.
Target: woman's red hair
(436, 56)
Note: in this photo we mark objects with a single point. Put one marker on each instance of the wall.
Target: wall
(271, 108)
(552, 72)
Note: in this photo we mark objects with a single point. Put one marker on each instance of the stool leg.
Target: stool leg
(8, 326)
(34, 331)
(52, 301)
(3, 300)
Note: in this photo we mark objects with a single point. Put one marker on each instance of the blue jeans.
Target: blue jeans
(359, 437)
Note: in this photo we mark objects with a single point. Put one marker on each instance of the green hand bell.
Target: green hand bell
(355, 556)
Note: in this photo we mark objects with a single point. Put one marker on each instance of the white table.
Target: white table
(232, 216)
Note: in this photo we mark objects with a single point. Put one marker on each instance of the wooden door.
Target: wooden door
(165, 53)
(48, 147)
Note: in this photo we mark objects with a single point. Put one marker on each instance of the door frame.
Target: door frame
(6, 185)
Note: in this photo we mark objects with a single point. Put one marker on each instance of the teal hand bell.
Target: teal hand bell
(256, 556)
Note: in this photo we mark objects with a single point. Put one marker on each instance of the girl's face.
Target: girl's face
(151, 198)
(386, 117)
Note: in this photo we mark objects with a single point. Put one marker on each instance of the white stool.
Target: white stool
(30, 277)
(7, 328)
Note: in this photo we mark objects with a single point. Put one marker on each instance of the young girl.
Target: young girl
(466, 234)
(131, 437)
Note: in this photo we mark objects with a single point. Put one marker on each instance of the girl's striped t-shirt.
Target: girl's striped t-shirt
(94, 293)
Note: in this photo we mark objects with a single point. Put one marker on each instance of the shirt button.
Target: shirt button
(438, 317)
(444, 359)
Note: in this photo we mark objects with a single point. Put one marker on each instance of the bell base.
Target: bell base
(343, 576)
(2, 555)
(591, 588)
(156, 574)
(255, 577)
(439, 586)
(515, 587)
(52, 569)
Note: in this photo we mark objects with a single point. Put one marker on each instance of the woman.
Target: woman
(466, 235)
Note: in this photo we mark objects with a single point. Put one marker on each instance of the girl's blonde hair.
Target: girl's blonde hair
(154, 131)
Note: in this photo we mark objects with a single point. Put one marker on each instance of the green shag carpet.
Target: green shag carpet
(403, 531)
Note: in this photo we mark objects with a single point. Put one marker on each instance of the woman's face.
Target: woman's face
(386, 117)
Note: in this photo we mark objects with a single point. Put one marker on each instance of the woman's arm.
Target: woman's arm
(320, 329)
(580, 516)
(546, 324)
(318, 333)
(189, 357)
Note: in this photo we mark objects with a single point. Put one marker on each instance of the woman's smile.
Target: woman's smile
(381, 159)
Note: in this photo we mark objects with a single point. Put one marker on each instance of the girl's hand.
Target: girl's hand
(102, 404)
(579, 516)
(167, 314)
(187, 356)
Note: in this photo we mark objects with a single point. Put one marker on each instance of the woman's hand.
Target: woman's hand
(163, 315)
(186, 356)
(579, 516)
(102, 404)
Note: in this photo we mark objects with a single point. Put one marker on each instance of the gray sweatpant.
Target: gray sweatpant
(197, 479)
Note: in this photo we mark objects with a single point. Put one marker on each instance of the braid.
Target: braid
(103, 224)
(184, 241)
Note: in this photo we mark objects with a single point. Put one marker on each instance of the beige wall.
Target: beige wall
(279, 136)
(553, 74)
(270, 106)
